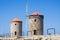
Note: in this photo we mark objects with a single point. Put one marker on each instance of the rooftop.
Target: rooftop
(36, 13)
(16, 20)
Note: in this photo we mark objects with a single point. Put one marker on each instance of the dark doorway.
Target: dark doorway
(35, 20)
(34, 32)
(15, 32)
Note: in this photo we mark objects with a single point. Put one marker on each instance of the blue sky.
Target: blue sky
(10, 9)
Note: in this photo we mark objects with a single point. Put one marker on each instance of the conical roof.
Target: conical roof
(36, 13)
(16, 20)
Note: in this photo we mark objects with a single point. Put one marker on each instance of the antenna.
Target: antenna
(26, 8)
(27, 24)
(26, 18)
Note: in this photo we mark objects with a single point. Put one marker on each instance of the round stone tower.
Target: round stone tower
(36, 23)
(16, 27)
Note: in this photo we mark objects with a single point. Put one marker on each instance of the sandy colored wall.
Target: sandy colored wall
(17, 28)
(38, 25)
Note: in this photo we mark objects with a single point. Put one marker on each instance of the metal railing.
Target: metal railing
(51, 29)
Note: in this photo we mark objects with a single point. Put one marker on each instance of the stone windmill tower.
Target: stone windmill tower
(36, 23)
(16, 27)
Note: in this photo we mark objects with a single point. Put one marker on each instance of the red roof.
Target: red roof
(36, 13)
(16, 20)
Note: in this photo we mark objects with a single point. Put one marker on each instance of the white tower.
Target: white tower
(36, 23)
(16, 27)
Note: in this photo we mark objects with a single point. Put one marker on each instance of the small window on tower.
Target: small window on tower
(15, 24)
(35, 20)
